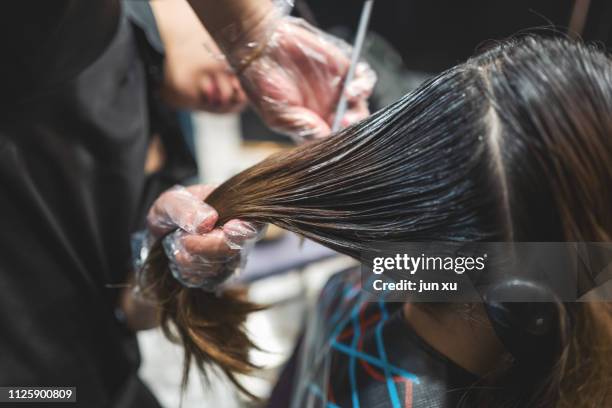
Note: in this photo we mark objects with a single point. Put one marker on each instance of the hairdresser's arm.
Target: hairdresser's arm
(291, 72)
(195, 76)
(220, 14)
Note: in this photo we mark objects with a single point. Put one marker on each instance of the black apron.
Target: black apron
(74, 132)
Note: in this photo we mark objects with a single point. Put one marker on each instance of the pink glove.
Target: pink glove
(200, 256)
(293, 74)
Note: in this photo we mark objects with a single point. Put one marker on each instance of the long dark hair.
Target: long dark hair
(514, 144)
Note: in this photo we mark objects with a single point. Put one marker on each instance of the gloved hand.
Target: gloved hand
(200, 255)
(293, 74)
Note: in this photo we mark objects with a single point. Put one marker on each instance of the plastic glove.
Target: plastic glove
(293, 74)
(200, 256)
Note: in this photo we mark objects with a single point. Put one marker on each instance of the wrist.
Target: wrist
(243, 39)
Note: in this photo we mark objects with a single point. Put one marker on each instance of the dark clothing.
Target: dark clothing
(358, 350)
(74, 130)
(46, 43)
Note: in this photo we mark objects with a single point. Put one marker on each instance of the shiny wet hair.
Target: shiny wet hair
(513, 145)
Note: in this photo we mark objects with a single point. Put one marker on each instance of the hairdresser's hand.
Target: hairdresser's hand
(293, 75)
(199, 254)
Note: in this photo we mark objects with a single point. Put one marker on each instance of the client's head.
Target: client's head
(513, 145)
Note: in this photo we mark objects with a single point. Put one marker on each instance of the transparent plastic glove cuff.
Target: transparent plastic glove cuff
(141, 243)
(284, 6)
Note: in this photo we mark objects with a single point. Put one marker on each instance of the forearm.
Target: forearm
(229, 21)
(291, 72)
(177, 22)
